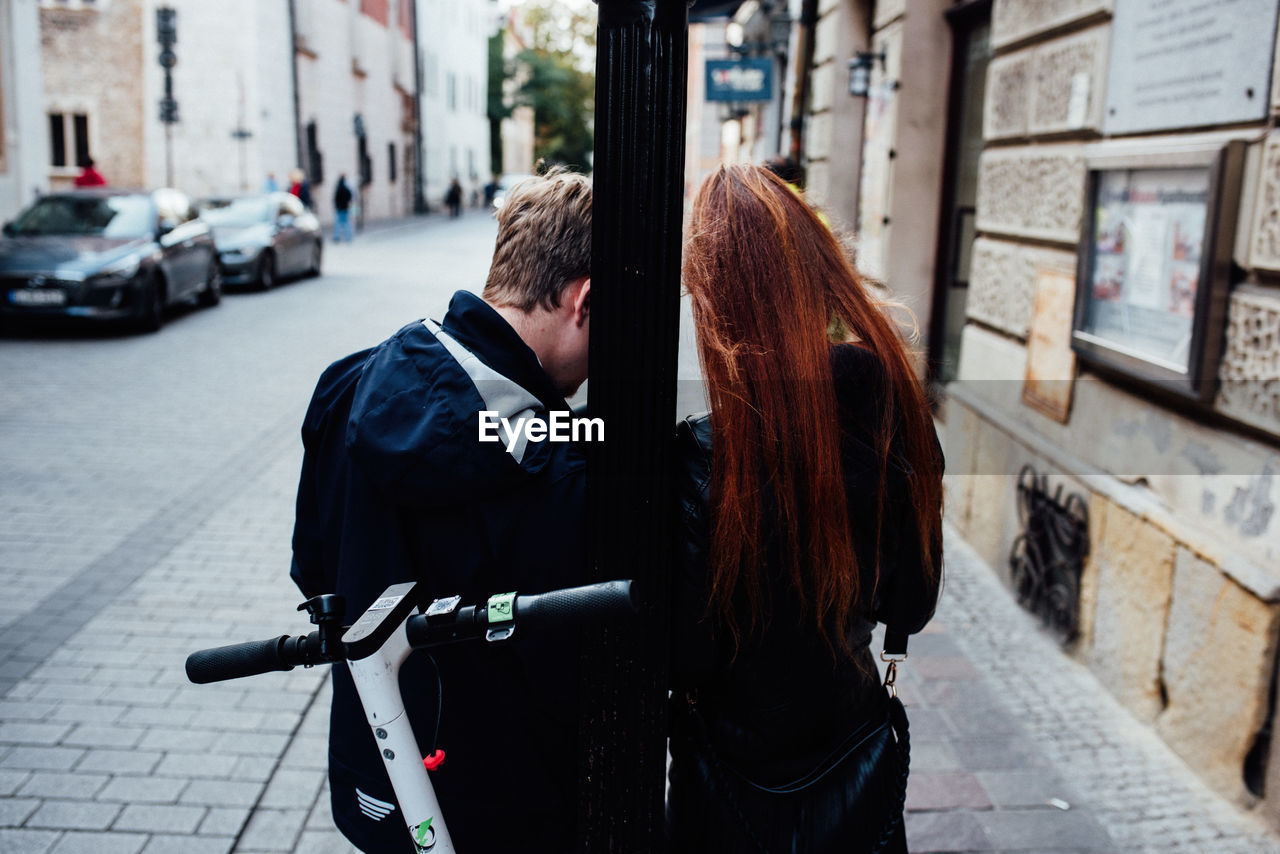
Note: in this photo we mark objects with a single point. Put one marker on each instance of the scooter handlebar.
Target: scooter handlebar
(591, 603)
(246, 659)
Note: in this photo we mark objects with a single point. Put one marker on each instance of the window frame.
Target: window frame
(1224, 163)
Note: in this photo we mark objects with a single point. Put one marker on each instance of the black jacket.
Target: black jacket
(395, 486)
(783, 699)
(342, 197)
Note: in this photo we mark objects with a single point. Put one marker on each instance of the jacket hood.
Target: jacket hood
(414, 422)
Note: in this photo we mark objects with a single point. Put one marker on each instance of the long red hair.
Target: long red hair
(768, 281)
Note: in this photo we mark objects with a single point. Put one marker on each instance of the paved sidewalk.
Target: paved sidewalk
(1016, 747)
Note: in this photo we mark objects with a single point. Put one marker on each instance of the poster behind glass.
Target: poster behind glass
(1148, 240)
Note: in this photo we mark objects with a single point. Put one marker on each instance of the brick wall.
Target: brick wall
(107, 89)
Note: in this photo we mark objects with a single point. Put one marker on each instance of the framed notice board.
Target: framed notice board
(1155, 263)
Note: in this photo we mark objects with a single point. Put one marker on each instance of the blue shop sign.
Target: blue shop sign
(739, 79)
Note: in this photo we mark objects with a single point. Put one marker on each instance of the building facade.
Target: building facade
(22, 155)
(262, 87)
(453, 37)
(1079, 201)
(356, 92)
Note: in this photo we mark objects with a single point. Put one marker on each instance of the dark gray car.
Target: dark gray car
(262, 239)
(106, 255)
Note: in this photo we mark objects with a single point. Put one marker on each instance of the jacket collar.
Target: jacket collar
(484, 332)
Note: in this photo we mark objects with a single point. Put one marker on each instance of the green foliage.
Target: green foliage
(497, 106)
(557, 80)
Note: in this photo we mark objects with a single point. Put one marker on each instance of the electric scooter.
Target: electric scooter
(377, 644)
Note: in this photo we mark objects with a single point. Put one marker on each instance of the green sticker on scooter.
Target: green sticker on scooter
(502, 608)
(424, 837)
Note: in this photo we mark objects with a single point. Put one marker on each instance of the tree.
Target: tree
(497, 107)
(558, 79)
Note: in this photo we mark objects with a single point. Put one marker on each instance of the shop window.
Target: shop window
(1155, 264)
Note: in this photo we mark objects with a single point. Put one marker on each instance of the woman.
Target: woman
(811, 509)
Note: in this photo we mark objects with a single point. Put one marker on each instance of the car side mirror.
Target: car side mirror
(9, 230)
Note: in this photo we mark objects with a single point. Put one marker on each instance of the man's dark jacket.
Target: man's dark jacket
(397, 487)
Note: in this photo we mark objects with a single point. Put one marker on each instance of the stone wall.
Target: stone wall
(1180, 593)
(107, 90)
(835, 127)
(1173, 634)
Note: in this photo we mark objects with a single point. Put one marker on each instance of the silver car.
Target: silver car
(264, 238)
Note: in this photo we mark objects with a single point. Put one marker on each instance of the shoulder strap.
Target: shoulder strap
(895, 643)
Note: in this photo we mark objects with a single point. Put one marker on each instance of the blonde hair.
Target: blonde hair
(544, 241)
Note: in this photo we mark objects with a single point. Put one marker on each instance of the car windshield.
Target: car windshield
(102, 216)
(236, 212)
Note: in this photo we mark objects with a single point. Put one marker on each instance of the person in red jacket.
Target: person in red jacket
(90, 176)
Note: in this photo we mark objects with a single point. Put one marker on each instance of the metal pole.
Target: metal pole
(641, 71)
(419, 158)
(293, 79)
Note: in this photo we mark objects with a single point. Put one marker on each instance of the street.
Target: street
(146, 506)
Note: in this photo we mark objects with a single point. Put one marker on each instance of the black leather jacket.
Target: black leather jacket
(784, 698)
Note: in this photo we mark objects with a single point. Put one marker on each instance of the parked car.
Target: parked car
(107, 255)
(264, 238)
(505, 183)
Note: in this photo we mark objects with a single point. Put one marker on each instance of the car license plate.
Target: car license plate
(38, 297)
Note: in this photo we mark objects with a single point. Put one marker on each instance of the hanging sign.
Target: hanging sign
(739, 80)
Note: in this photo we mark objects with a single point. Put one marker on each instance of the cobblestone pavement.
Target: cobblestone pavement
(146, 504)
(1004, 723)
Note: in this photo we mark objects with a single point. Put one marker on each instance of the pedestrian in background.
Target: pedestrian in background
(811, 501)
(453, 198)
(300, 187)
(342, 197)
(269, 184)
(90, 176)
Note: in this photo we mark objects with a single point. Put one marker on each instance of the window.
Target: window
(451, 81)
(3, 166)
(315, 160)
(57, 140)
(365, 161)
(68, 140)
(81, 124)
(391, 161)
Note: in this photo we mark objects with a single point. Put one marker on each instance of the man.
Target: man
(396, 486)
(342, 197)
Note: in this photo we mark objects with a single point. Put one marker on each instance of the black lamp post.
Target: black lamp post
(641, 80)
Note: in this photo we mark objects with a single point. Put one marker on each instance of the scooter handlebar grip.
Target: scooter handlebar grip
(592, 603)
(237, 660)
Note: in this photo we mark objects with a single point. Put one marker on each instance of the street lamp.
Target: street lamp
(860, 72)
